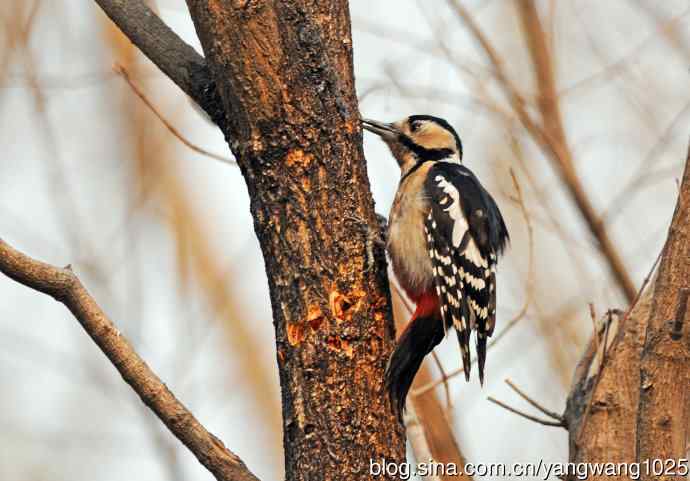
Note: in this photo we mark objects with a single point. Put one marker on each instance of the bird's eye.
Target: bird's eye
(415, 125)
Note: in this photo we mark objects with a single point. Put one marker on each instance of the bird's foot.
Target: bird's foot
(375, 237)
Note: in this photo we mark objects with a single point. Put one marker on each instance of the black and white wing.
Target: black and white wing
(465, 235)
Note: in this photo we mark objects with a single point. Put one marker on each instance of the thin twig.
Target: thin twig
(549, 134)
(64, 286)
(643, 175)
(455, 99)
(534, 403)
(626, 59)
(530, 245)
(176, 59)
(122, 71)
(544, 422)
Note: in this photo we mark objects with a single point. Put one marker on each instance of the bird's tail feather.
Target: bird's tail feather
(481, 355)
(464, 341)
(418, 340)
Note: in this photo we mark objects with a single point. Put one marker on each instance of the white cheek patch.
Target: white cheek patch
(460, 225)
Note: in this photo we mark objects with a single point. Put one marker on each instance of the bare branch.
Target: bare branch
(534, 403)
(644, 176)
(176, 59)
(562, 155)
(444, 378)
(65, 287)
(525, 415)
(549, 133)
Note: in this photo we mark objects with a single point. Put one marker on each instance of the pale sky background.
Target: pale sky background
(66, 197)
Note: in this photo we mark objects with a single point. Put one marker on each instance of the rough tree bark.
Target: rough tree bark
(663, 419)
(634, 406)
(284, 73)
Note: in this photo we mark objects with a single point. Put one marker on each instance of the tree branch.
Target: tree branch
(65, 287)
(176, 59)
(534, 403)
(544, 422)
(555, 135)
(549, 134)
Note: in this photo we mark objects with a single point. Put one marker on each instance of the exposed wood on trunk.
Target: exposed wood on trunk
(284, 72)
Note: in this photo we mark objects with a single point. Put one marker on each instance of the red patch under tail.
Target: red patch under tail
(423, 332)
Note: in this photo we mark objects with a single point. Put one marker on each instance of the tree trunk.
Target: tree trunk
(634, 405)
(664, 414)
(284, 73)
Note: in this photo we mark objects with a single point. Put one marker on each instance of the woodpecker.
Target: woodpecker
(445, 234)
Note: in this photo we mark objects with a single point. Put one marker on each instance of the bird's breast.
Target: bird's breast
(407, 245)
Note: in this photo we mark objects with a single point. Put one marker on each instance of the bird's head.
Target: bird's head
(418, 138)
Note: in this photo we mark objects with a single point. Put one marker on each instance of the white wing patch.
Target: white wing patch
(481, 312)
(476, 282)
(460, 225)
(473, 255)
(464, 270)
(448, 280)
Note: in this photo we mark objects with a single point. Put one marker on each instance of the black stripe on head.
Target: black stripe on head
(423, 153)
(442, 123)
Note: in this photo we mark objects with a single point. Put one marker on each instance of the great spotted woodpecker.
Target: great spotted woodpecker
(445, 233)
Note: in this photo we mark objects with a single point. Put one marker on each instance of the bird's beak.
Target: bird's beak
(385, 131)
